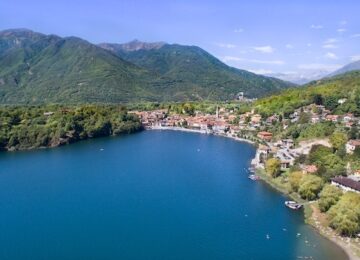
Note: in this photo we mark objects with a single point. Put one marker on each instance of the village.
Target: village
(252, 127)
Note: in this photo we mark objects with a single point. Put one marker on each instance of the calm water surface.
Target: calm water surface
(152, 195)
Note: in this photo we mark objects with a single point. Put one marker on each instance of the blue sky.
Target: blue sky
(261, 36)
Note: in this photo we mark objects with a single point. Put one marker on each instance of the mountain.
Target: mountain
(326, 91)
(194, 72)
(300, 78)
(347, 68)
(39, 68)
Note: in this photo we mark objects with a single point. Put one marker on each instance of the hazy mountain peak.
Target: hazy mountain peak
(134, 45)
(347, 68)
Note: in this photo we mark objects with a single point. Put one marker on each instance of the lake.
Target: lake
(150, 195)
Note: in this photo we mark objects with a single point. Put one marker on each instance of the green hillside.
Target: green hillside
(40, 69)
(37, 68)
(193, 72)
(326, 92)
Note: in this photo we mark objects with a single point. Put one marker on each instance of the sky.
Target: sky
(284, 36)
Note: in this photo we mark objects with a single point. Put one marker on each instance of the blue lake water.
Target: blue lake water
(151, 195)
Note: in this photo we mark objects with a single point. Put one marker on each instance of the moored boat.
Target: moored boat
(254, 177)
(293, 205)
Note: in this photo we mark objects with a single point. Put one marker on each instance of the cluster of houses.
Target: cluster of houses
(220, 123)
(318, 113)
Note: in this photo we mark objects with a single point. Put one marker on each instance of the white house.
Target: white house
(351, 146)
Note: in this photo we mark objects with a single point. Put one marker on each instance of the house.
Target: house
(263, 153)
(310, 169)
(48, 113)
(255, 119)
(351, 146)
(288, 143)
(346, 184)
(348, 118)
(266, 136)
(285, 164)
(342, 101)
(315, 119)
(333, 118)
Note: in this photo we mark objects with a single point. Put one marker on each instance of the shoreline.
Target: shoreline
(309, 219)
(182, 129)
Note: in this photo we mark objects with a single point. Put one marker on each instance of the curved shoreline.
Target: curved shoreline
(336, 241)
(199, 132)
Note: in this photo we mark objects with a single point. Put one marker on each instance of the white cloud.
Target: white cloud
(289, 46)
(316, 26)
(355, 58)
(329, 46)
(331, 55)
(318, 66)
(264, 49)
(240, 30)
(309, 45)
(355, 35)
(343, 22)
(261, 71)
(330, 40)
(341, 30)
(238, 59)
(226, 45)
(231, 58)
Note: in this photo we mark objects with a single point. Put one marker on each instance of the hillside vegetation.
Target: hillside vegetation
(49, 126)
(37, 69)
(326, 92)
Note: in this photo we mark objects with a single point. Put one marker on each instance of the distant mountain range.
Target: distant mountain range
(305, 77)
(39, 68)
(300, 78)
(347, 68)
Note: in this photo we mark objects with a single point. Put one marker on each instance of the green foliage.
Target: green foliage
(330, 90)
(38, 69)
(273, 167)
(295, 179)
(329, 164)
(34, 128)
(344, 216)
(310, 186)
(318, 130)
(338, 140)
(328, 197)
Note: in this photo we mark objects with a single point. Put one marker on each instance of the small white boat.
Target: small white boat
(293, 205)
(253, 177)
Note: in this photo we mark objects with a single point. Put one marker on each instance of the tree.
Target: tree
(273, 167)
(295, 179)
(329, 196)
(344, 216)
(318, 99)
(304, 118)
(338, 139)
(333, 165)
(353, 133)
(331, 103)
(310, 186)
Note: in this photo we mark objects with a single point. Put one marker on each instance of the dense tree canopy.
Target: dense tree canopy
(329, 196)
(32, 127)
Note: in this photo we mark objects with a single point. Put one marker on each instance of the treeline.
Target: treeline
(323, 92)
(24, 127)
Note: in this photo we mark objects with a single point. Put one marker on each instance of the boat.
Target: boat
(293, 205)
(251, 169)
(254, 177)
